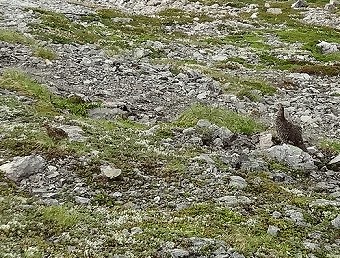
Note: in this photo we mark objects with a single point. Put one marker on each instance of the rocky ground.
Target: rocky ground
(145, 128)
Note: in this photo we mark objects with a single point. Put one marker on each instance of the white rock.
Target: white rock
(310, 246)
(324, 203)
(178, 253)
(157, 199)
(296, 216)
(136, 230)
(299, 4)
(117, 194)
(327, 47)
(139, 53)
(306, 119)
(218, 142)
(276, 214)
(151, 131)
(204, 157)
(203, 95)
(110, 172)
(335, 160)
(253, 16)
(23, 167)
(336, 222)
(219, 57)
(224, 133)
(237, 182)
(312, 149)
(52, 169)
(81, 200)
(202, 123)
(300, 76)
(274, 10)
(48, 62)
(121, 20)
(265, 141)
(189, 131)
(231, 200)
(273, 230)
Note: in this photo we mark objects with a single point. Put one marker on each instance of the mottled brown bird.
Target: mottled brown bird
(287, 131)
(55, 133)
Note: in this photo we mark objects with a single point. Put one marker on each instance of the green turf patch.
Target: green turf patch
(46, 103)
(15, 37)
(219, 116)
(310, 36)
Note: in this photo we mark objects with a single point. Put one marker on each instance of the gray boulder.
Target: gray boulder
(299, 4)
(178, 253)
(106, 113)
(212, 133)
(292, 156)
(237, 182)
(327, 48)
(23, 167)
(336, 222)
(75, 133)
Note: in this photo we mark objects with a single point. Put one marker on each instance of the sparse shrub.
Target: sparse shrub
(326, 70)
(45, 53)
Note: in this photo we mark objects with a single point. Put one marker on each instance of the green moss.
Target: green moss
(172, 16)
(243, 39)
(268, 60)
(58, 28)
(310, 37)
(212, 221)
(175, 166)
(220, 117)
(330, 145)
(236, 4)
(289, 16)
(14, 37)
(126, 32)
(252, 89)
(106, 14)
(60, 218)
(308, 34)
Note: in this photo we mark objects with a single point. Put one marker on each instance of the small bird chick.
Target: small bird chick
(55, 133)
(287, 131)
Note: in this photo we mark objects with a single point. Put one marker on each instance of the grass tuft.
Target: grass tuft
(15, 37)
(45, 53)
(219, 116)
(60, 218)
(46, 103)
